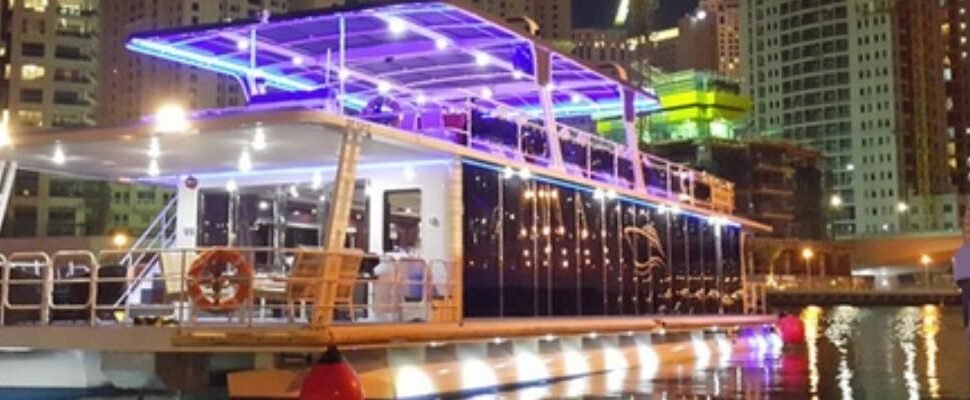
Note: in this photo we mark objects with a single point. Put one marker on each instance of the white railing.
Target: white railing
(159, 234)
(523, 141)
(72, 287)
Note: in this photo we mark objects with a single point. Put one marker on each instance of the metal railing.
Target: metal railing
(584, 154)
(159, 234)
(78, 287)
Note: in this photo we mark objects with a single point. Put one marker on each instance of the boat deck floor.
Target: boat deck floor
(296, 338)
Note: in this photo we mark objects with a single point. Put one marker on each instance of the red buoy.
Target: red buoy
(792, 330)
(332, 378)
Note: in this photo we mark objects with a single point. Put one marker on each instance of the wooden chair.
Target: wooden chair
(335, 272)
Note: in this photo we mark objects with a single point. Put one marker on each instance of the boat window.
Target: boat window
(402, 220)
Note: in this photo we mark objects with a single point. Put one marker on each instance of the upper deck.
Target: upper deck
(439, 69)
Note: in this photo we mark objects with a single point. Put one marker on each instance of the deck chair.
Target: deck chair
(333, 272)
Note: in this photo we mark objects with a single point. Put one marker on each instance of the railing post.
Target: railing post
(8, 172)
(4, 288)
(632, 141)
(546, 87)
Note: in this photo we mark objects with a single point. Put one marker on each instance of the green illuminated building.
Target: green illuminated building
(696, 105)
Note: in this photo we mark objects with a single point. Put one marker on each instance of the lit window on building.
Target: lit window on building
(31, 72)
(36, 5)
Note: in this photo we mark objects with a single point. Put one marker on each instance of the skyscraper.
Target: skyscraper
(858, 81)
(135, 86)
(50, 55)
(956, 73)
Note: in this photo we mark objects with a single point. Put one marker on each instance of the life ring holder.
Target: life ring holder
(209, 271)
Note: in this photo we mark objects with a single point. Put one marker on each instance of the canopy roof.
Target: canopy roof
(434, 51)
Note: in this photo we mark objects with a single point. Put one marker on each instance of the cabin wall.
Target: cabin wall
(536, 247)
(432, 181)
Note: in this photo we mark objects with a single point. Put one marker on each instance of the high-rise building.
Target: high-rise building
(49, 52)
(956, 73)
(724, 15)
(597, 45)
(50, 57)
(858, 81)
(707, 39)
(135, 86)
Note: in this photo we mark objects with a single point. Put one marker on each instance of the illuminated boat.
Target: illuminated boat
(461, 203)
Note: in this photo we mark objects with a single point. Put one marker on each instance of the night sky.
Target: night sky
(600, 13)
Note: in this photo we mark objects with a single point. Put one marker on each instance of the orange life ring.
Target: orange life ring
(214, 272)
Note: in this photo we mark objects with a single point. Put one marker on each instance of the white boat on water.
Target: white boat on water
(452, 201)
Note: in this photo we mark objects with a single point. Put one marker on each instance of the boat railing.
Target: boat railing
(584, 154)
(159, 234)
(256, 287)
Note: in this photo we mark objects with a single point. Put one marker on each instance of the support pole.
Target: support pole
(343, 188)
(632, 141)
(8, 172)
(545, 81)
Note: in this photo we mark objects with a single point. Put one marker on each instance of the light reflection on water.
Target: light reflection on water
(850, 353)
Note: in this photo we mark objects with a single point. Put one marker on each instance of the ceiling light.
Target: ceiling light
(242, 44)
(409, 173)
(421, 99)
(297, 61)
(396, 25)
(343, 74)
(441, 43)
(153, 169)
(575, 98)
(154, 148)
(516, 74)
(482, 59)
(263, 205)
(316, 182)
(171, 118)
(58, 157)
(232, 186)
(486, 93)
(383, 87)
(259, 139)
(5, 129)
(245, 163)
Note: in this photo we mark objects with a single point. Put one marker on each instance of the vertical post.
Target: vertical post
(187, 213)
(8, 172)
(336, 228)
(342, 59)
(544, 79)
(343, 190)
(251, 75)
(632, 141)
(456, 206)
(719, 263)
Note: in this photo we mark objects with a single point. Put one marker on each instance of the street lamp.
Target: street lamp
(120, 239)
(171, 118)
(807, 254)
(835, 201)
(902, 207)
(926, 261)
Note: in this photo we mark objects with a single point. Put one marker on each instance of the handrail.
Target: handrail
(160, 238)
(4, 280)
(32, 259)
(92, 281)
(162, 215)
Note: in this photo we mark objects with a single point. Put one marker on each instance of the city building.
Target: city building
(598, 46)
(956, 73)
(707, 39)
(50, 56)
(725, 16)
(129, 93)
(696, 105)
(859, 82)
(775, 182)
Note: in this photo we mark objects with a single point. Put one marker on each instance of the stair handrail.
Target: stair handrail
(156, 234)
(162, 217)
